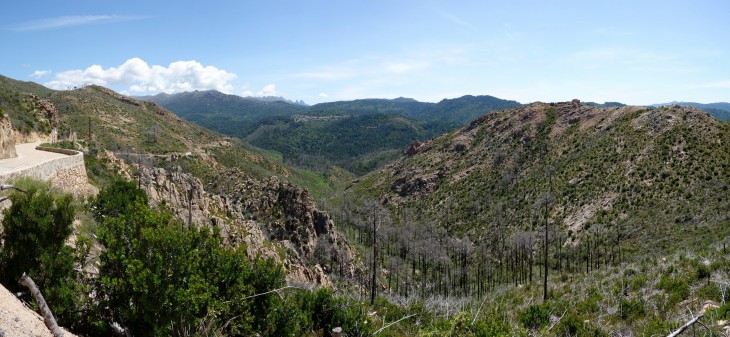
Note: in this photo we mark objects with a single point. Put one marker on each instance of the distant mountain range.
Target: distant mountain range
(358, 135)
(720, 110)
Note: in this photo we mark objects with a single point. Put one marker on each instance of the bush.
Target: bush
(571, 325)
(534, 317)
(709, 292)
(631, 309)
(676, 287)
(117, 198)
(162, 278)
(35, 229)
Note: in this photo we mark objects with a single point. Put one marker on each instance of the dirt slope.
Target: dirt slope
(16, 319)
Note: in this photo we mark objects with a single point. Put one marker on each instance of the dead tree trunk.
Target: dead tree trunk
(684, 327)
(374, 289)
(26, 281)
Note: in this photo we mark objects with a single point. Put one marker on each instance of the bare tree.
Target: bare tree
(377, 214)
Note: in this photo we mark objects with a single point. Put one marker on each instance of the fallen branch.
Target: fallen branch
(273, 291)
(120, 330)
(26, 281)
(684, 327)
(385, 327)
(558, 321)
(478, 311)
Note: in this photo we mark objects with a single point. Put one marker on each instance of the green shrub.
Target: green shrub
(676, 287)
(703, 272)
(709, 292)
(162, 278)
(535, 316)
(723, 312)
(571, 325)
(35, 229)
(631, 310)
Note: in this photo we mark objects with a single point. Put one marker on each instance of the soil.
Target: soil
(17, 319)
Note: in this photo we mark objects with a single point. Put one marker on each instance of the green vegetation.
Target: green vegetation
(359, 135)
(34, 232)
(68, 145)
(340, 142)
(637, 224)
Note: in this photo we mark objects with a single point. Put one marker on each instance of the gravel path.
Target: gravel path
(17, 320)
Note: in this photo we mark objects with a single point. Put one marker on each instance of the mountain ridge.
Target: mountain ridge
(611, 158)
(719, 110)
(373, 130)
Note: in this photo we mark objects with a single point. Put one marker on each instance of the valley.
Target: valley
(359, 136)
(473, 216)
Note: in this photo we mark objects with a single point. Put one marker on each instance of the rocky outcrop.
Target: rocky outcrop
(7, 139)
(272, 218)
(17, 319)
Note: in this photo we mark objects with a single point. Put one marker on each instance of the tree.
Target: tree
(376, 215)
(116, 199)
(161, 278)
(35, 229)
(546, 201)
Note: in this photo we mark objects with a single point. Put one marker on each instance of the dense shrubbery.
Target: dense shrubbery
(35, 229)
(535, 317)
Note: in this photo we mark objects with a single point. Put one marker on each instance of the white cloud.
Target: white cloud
(268, 90)
(67, 21)
(142, 78)
(40, 73)
(323, 95)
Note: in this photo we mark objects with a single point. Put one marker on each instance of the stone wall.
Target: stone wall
(68, 173)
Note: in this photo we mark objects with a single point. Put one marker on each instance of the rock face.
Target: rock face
(16, 319)
(7, 139)
(272, 218)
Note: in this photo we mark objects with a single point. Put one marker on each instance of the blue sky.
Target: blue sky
(636, 52)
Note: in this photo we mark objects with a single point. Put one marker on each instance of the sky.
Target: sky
(634, 52)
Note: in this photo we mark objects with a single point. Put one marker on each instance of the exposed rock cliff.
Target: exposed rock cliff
(272, 218)
(7, 138)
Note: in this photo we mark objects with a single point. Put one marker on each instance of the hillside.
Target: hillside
(720, 110)
(228, 114)
(358, 143)
(169, 157)
(358, 135)
(648, 170)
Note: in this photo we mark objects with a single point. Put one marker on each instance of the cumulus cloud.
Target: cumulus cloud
(40, 73)
(139, 77)
(268, 90)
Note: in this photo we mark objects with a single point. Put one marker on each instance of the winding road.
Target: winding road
(27, 157)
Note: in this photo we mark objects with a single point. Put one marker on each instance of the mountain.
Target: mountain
(357, 143)
(357, 135)
(653, 170)
(231, 115)
(719, 110)
(248, 193)
(276, 99)
(444, 115)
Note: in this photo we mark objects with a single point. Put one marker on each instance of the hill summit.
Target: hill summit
(651, 170)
